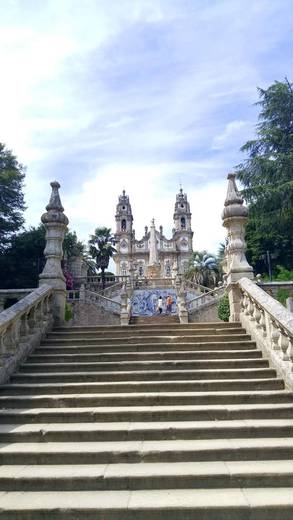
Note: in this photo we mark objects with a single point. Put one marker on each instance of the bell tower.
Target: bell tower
(182, 215)
(182, 233)
(124, 234)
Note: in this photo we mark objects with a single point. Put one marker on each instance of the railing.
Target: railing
(98, 299)
(270, 324)
(97, 282)
(108, 291)
(22, 326)
(212, 295)
(153, 283)
(12, 294)
(196, 286)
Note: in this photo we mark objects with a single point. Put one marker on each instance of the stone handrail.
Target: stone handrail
(197, 286)
(270, 325)
(17, 294)
(203, 299)
(152, 283)
(96, 298)
(112, 288)
(22, 327)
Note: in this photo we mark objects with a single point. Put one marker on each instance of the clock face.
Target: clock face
(124, 244)
(184, 244)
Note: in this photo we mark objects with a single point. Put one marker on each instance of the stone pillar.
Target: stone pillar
(55, 223)
(234, 218)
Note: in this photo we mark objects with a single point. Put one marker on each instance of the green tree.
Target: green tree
(71, 245)
(11, 196)
(23, 260)
(267, 178)
(102, 249)
(203, 269)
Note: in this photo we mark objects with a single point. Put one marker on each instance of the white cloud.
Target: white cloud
(137, 95)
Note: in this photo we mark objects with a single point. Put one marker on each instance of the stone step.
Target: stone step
(134, 431)
(157, 319)
(167, 339)
(220, 412)
(145, 386)
(142, 399)
(172, 364)
(189, 326)
(125, 332)
(144, 476)
(45, 355)
(146, 451)
(57, 375)
(149, 347)
(261, 503)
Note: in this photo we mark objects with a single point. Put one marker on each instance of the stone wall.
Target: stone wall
(88, 314)
(207, 313)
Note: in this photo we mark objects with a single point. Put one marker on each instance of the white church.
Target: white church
(154, 255)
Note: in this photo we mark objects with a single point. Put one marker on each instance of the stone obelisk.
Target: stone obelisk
(154, 268)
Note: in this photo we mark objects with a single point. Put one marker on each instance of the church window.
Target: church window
(183, 223)
(123, 225)
(168, 269)
(140, 270)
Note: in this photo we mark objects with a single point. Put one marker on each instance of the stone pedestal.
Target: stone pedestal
(154, 271)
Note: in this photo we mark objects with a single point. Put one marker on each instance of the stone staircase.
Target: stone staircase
(152, 422)
(158, 319)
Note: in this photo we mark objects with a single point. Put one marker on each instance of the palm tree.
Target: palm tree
(203, 269)
(101, 249)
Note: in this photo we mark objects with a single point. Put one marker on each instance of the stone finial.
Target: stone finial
(233, 205)
(55, 223)
(54, 208)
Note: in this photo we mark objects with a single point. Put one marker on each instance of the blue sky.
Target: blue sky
(141, 95)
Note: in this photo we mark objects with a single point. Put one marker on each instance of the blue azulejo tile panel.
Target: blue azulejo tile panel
(144, 301)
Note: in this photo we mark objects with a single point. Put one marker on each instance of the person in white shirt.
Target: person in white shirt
(160, 304)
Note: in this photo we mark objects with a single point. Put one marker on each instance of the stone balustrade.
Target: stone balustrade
(84, 295)
(270, 325)
(12, 294)
(22, 327)
(188, 284)
(207, 298)
(273, 288)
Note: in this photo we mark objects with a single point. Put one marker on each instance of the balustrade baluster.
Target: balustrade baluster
(275, 334)
(283, 343)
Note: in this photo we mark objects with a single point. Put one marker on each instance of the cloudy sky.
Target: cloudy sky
(141, 95)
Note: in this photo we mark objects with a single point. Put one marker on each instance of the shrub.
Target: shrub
(224, 308)
(283, 294)
(68, 312)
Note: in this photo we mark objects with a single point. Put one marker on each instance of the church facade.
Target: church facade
(136, 256)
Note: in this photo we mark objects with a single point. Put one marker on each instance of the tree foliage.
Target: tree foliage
(267, 178)
(224, 308)
(71, 245)
(11, 196)
(101, 248)
(23, 260)
(203, 269)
